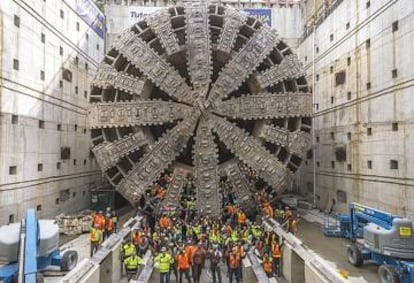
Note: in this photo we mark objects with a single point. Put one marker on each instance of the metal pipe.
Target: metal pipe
(313, 102)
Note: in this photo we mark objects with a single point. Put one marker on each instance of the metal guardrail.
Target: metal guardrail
(308, 256)
(257, 268)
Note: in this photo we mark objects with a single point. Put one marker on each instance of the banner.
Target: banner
(262, 14)
(91, 15)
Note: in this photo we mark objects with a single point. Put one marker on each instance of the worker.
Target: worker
(131, 263)
(136, 236)
(109, 226)
(197, 261)
(215, 256)
(128, 249)
(189, 249)
(234, 264)
(275, 249)
(165, 222)
(268, 265)
(115, 221)
(163, 261)
(242, 254)
(96, 238)
(295, 225)
(183, 265)
(268, 210)
(241, 217)
(143, 245)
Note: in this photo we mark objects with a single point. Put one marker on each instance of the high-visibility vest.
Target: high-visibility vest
(133, 261)
(136, 237)
(164, 261)
(240, 251)
(183, 261)
(109, 225)
(96, 235)
(129, 249)
(241, 217)
(267, 265)
(230, 209)
(234, 261)
(276, 251)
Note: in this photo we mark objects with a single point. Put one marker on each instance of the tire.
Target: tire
(69, 260)
(354, 256)
(388, 274)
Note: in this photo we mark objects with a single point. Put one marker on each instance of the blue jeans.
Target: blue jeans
(165, 277)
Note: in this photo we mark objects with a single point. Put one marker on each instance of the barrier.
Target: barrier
(300, 264)
(105, 265)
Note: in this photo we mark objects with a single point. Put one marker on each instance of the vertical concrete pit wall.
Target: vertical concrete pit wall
(369, 116)
(42, 112)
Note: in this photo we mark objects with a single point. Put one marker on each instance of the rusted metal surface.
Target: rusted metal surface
(213, 87)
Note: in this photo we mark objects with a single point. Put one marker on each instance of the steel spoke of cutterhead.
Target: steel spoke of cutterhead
(267, 106)
(135, 113)
(206, 171)
(109, 153)
(289, 68)
(297, 142)
(241, 186)
(160, 23)
(233, 20)
(242, 65)
(198, 44)
(173, 197)
(159, 71)
(250, 151)
(108, 77)
(153, 163)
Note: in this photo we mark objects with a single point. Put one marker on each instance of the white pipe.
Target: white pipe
(313, 102)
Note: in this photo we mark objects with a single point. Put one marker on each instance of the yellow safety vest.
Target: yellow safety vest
(132, 262)
(129, 249)
(164, 261)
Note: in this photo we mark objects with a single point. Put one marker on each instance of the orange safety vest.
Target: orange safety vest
(101, 221)
(183, 261)
(109, 225)
(241, 217)
(276, 251)
(136, 237)
(268, 210)
(234, 261)
(267, 266)
(189, 250)
(240, 251)
(230, 209)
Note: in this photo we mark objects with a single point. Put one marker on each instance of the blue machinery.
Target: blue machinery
(377, 236)
(30, 261)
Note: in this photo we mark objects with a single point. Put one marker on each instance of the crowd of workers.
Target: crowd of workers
(183, 244)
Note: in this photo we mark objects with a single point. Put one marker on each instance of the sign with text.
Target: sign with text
(91, 15)
(262, 14)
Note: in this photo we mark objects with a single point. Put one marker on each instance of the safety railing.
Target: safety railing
(310, 258)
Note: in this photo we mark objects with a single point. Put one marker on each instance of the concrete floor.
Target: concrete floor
(333, 250)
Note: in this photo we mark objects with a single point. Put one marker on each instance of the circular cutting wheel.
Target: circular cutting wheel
(203, 88)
